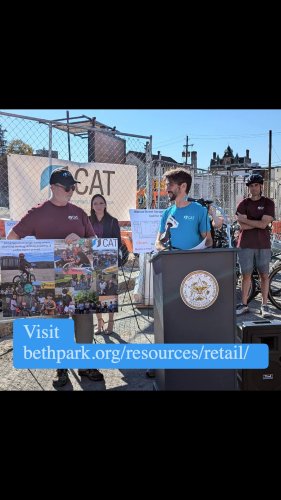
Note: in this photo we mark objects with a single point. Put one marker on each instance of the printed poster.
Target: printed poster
(145, 226)
(52, 278)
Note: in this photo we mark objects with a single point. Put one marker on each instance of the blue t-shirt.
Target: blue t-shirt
(192, 220)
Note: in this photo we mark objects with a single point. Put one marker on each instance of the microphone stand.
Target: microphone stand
(169, 237)
(166, 238)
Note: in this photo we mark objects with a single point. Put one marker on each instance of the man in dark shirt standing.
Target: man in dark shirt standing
(57, 218)
(254, 214)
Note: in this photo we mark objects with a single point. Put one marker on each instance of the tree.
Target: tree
(18, 147)
(86, 296)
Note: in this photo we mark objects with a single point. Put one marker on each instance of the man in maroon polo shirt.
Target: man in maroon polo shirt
(57, 218)
(254, 214)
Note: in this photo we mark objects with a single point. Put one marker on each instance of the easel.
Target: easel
(145, 277)
(149, 280)
(131, 271)
(127, 291)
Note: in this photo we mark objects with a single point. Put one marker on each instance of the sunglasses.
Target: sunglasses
(66, 188)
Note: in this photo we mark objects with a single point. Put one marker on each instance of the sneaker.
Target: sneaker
(241, 309)
(62, 378)
(264, 311)
(92, 374)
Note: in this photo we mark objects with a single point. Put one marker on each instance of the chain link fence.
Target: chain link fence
(228, 189)
(85, 140)
(96, 151)
(60, 141)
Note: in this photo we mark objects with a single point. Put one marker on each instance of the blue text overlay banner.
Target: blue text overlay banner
(50, 343)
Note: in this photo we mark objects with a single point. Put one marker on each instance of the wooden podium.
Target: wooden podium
(195, 302)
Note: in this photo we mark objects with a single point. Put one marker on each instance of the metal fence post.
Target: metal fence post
(149, 173)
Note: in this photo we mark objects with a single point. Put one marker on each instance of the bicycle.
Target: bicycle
(227, 237)
(274, 293)
(23, 284)
(274, 282)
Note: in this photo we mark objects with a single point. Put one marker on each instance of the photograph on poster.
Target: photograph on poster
(27, 274)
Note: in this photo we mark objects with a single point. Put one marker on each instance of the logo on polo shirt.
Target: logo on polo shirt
(73, 217)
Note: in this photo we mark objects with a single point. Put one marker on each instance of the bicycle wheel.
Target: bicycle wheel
(17, 279)
(274, 293)
(19, 289)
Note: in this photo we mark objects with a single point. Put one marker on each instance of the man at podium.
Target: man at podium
(184, 224)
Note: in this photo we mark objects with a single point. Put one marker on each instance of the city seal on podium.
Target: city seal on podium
(199, 290)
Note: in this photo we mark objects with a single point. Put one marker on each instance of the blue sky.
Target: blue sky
(208, 130)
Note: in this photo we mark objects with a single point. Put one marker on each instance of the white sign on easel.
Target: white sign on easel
(145, 226)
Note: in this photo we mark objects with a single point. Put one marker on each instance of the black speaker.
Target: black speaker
(262, 332)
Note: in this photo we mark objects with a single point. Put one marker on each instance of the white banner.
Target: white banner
(29, 184)
(145, 226)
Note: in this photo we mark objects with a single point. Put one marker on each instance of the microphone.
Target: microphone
(166, 237)
(172, 221)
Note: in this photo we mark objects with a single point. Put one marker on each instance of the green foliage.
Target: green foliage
(86, 296)
(18, 147)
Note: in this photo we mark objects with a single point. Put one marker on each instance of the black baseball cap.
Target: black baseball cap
(63, 177)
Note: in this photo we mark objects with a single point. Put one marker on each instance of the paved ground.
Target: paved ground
(126, 330)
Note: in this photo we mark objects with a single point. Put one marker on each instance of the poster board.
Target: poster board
(145, 226)
(53, 278)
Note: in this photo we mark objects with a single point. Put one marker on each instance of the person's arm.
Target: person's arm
(217, 221)
(205, 227)
(209, 239)
(12, 235)
(158, 245)
(259, 224)
(71, 238)
(243, 226)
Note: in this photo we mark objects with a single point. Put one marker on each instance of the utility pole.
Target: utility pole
(68, 136)
(269, 163)
(149, 173)
(186, 153)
